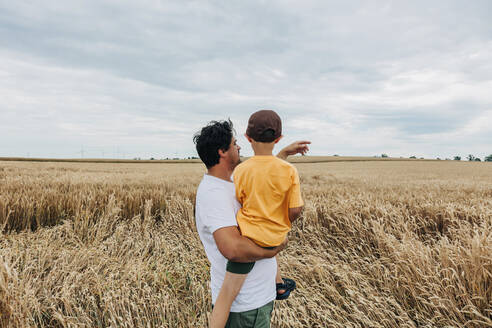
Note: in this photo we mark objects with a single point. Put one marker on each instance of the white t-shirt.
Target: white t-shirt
(216, 207)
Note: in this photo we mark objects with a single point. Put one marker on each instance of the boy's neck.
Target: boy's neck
(263, 148)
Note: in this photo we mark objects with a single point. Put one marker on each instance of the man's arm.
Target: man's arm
(298, 147)
(237, 248)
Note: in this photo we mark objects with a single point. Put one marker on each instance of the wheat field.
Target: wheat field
(380, 244)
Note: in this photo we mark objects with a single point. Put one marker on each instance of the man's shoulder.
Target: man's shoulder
(216, 204)
(209, 188)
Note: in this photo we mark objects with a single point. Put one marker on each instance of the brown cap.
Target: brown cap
(260, 122)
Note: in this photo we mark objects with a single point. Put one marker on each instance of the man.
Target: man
(216, 208)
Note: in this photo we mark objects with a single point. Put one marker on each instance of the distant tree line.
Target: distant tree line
(470, 158)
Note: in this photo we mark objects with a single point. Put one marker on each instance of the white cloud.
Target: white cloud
(358, 78)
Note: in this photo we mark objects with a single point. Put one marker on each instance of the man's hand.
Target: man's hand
(298, 147)
(273, 252)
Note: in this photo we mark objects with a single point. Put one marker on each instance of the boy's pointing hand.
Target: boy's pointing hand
(297, 147)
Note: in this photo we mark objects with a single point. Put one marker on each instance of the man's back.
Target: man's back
(267, 187)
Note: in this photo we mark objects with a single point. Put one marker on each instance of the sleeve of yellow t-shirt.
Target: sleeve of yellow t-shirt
(295, 199)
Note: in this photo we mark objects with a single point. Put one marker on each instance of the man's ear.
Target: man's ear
(278, 139)
(221, 153)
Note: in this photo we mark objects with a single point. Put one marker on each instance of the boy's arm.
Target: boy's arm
(237, 248)
(298, 147)
(296, 204)
(295, 213)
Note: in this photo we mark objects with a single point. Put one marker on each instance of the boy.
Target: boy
(269, 191)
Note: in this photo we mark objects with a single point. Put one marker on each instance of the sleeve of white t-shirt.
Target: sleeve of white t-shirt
(219, 210)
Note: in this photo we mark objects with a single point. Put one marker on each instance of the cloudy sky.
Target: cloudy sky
(138, 78)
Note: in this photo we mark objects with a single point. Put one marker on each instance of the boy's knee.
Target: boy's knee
(239, 268)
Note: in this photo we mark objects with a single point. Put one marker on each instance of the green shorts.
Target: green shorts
(257, 318)
(241, 268)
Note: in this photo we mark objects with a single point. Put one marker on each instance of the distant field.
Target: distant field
(382, 243)
(95, 160)
(295, 159)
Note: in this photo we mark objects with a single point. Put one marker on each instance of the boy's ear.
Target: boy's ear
(278, 139)
(248, 138)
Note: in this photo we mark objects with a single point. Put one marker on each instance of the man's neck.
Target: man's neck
(220, 171)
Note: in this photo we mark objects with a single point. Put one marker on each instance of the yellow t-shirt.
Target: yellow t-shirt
(267, 187)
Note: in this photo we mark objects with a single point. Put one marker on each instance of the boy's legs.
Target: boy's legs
(230, 288)
(278, 277)
(233, 281)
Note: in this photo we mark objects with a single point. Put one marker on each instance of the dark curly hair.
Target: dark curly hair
(212, 137)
